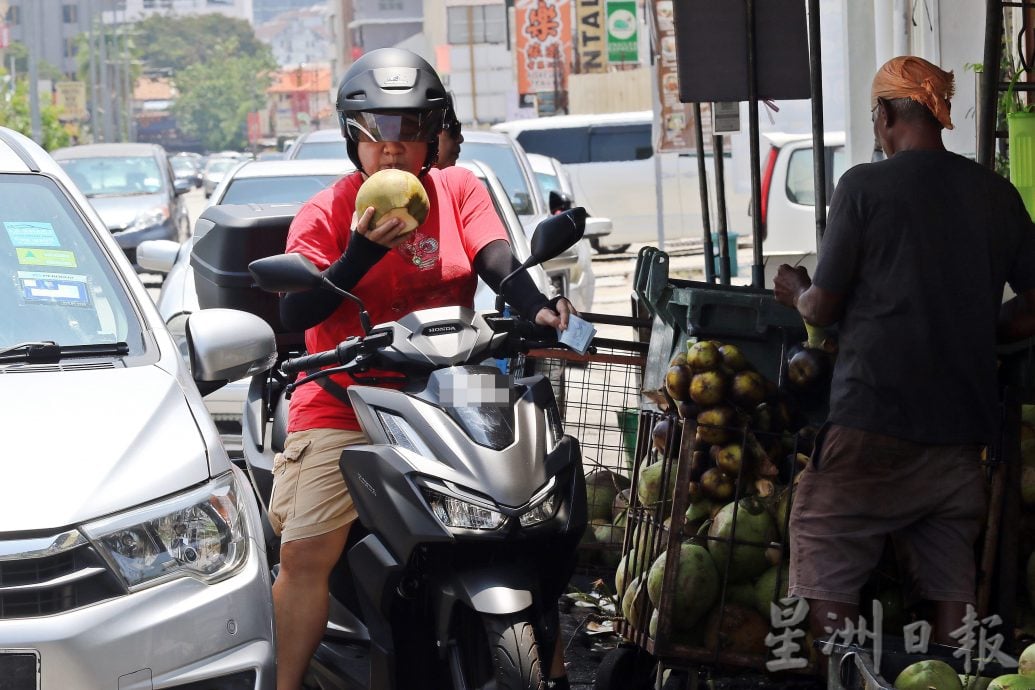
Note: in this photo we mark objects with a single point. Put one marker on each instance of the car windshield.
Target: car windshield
(503, 161)
(275, 190)
(115, 175)
(182, 165)
(308, 150)
(57, 283)
(221, 165)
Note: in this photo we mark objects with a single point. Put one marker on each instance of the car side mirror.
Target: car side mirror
(559, 201)
(285, 273)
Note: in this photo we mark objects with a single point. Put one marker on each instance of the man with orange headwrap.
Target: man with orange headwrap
(916, 253)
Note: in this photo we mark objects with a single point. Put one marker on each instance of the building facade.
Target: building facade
(299, 37)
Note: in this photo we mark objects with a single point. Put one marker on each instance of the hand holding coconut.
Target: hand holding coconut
(390, 205)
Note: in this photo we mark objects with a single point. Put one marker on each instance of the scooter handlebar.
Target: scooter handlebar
(343, 353)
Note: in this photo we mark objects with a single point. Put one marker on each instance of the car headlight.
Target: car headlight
(200, 533)
(147, 219)
(401, 433)
(540, 512)
(454, 512)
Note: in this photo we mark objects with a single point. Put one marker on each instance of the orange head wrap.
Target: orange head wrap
(915, 78)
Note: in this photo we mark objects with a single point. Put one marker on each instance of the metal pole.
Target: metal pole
(757, 269)
(116, 78)
(720, 205)
(702, 178)
(819, 150)
(128, 78)
(470, 57)
(105, 92)
(988, 82)
(34, 44)
(93, 73)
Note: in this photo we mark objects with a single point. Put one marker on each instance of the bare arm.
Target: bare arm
(817, 306)
(1017, 318)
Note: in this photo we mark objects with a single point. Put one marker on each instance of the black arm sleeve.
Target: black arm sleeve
(493, 263)
(302, 310)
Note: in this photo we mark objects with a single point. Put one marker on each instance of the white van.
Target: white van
(789, 197)
(610, 158)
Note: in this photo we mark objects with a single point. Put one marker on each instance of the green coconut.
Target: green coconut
(765, 592)
(602, 486)
(753, 524)
(648, 487)
(930, 674)
(1013, 681)
(696, 586)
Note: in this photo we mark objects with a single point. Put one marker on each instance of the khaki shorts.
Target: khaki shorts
(863, 488)
(309, 494)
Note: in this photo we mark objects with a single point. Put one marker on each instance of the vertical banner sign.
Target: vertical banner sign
(621, 31)
(674, 126)
(542, 45)
(254, 128)
(590, 36)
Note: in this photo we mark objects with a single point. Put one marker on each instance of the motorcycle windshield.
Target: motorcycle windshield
(479, 400)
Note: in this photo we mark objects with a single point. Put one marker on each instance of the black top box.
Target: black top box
(226, 239)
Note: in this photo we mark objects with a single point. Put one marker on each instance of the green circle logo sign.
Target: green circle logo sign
(622, 24)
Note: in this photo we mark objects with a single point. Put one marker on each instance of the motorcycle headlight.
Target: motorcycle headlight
(454, 512)
(540, 512)
(147, 219)
(200, 533)
(401, 433)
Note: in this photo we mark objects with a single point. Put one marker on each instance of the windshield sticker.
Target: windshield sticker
(65, 289)
(46, 257)
(31, 234)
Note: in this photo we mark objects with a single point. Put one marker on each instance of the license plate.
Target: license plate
(19, 669)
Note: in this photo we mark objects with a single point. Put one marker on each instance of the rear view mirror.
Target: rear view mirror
(285, 273)
(555, 234)
(559, 201)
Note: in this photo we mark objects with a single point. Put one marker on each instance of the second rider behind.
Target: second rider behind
(391, 106)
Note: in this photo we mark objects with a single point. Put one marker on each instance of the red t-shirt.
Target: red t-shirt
(433, 268)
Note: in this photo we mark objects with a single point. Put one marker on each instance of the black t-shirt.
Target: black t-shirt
(921, 245)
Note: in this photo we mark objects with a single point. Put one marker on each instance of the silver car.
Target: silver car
(288, 181)
(572, 271)
(131, 552)
(133, 188)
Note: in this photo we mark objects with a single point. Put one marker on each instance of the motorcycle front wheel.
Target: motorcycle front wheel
(489, 652)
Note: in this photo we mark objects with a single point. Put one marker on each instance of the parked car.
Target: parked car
(610, 159)
(788, 197)
(186, 169)
(320, 143)
(215, 169)
(572, 271)
(131, 550)
(133, 188)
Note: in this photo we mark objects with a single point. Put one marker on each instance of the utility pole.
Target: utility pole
(94, 109)
(470, 57)
(128, 78)
(33, 33)
(105, 90)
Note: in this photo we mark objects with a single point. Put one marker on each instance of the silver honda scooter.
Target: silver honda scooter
(471, 499)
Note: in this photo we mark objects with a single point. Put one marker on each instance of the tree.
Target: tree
(14, 113)
(173, 44)
(217, 95)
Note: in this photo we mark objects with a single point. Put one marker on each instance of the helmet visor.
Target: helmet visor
(421, 125)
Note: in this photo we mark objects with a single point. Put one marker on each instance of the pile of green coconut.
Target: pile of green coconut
(934, 674)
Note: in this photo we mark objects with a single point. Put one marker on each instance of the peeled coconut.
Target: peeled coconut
(753, 524)
(1013, 681)
(696, 587)
(924, 675)
(394, 194)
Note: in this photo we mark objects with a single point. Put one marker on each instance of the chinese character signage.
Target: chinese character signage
(590, 36)
(543, 44)
(621, 31)
(674, 129)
